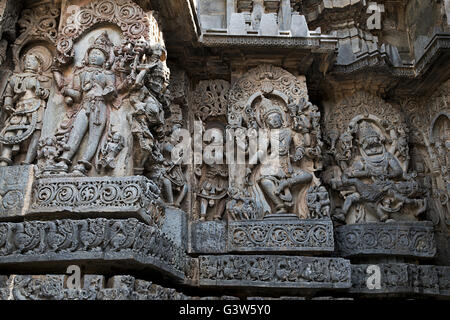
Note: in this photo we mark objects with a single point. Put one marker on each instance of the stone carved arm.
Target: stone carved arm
(299, 148)
(8, 100)
(396, 170)
(74, 91)
(110, 90)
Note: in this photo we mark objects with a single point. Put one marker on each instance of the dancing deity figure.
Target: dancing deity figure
(277, 176)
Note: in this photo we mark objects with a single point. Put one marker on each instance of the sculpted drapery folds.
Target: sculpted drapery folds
(24, 103)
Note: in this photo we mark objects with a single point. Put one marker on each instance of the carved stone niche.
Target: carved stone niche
(382, 202)
(277, 202)
(29, 88)
(369, 142)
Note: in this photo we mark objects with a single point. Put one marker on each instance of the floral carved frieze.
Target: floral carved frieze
(294, 235)
(414, 239)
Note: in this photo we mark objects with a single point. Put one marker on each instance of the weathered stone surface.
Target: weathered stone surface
(413, 239)
(208, 237)
(274, 272)
(299, 27)
(268, 25)
(237, 24)
(15, 190)
(280, 236)
(174, 226)
(403, 279)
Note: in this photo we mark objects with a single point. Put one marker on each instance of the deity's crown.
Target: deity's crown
(268, 108)
(103, 43)
(367, 131)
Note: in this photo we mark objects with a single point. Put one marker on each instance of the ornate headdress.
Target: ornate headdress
(268, 108)
(366, 131)
(104, 44)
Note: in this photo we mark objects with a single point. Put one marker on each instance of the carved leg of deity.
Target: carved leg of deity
(203, 209)
(79, 129)
(33, 147)
(97, 123)
(381, 214)
(270, 189)
(167, 190)
(299, 178)
(181, 196)
(220, 208)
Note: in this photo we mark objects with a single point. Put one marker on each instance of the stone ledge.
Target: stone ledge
(259, 271)
(99, 240)
(321, 43)
(409, 239)
(299, 235)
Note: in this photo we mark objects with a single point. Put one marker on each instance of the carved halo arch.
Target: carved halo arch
(264, 80)
(134, 23)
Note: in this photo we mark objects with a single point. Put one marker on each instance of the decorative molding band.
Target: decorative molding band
(414, 239)
(219, 40)
(280, 236)
(118, 197)
(402, 278)
(94, 287)
(90, 240)
(274, 271)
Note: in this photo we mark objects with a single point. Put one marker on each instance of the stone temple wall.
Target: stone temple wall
(224, 149)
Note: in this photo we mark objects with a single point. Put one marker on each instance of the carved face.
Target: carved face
(274, 121)
(157, 84)
(96, 57)
(372, 146)
(31, 63)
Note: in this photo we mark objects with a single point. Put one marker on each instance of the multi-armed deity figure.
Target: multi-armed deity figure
(276, 173)
(24, 104)
(93, 88)
(376, 178)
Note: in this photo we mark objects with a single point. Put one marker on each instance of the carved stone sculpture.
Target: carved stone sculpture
(92, 90)
(24, 102)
